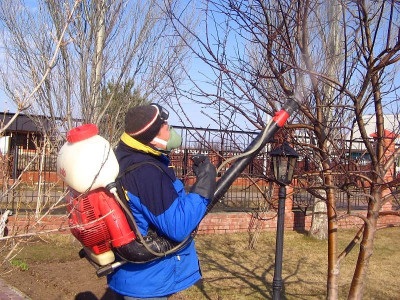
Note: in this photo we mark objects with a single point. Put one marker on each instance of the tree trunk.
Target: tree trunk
(319, 223)
(366, 250)
(333, 268)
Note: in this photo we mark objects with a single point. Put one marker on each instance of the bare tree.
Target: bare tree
(69, 50)
(59, 58)
(340, 56)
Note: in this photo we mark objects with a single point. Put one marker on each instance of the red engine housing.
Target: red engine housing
(97, 221)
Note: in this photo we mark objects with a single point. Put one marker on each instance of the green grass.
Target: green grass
(233, 271)
(20, 264)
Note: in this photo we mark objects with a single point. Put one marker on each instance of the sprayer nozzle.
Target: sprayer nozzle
(291, 105)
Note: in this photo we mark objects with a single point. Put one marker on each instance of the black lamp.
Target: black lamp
(284, 159)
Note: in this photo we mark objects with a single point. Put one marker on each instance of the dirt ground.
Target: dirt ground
(61, 281)
(49, 267)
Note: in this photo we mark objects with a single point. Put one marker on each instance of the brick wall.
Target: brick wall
(213, 223)
(220, 223)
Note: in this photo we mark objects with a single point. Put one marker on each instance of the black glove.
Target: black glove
(206, 173)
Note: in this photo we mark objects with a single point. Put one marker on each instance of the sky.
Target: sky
(191, 109)
(6, 104)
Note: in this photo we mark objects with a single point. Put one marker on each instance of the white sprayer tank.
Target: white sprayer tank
(86, 161)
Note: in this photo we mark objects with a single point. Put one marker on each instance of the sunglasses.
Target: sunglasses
(162, 112)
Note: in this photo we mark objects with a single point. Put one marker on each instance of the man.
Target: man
(159, 203)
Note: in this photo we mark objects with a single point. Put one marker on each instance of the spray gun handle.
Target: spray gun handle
(108, 269)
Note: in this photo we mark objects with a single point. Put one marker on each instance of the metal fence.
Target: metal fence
(355, 199)
(36, 171)
(29, 181)
(38, 181)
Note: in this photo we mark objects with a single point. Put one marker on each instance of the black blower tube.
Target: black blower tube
(265, 136)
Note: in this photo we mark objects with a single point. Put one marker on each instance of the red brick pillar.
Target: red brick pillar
(289, 215)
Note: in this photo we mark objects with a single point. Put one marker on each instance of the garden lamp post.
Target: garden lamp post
(284, 160)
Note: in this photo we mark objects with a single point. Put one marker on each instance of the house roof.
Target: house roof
(23, 123)
(386, 133)
(391, 124)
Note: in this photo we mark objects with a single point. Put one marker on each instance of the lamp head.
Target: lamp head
(284, 159)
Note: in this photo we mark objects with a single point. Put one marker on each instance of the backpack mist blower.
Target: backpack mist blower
(99, 217)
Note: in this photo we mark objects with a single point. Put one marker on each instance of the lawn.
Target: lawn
(230, 269)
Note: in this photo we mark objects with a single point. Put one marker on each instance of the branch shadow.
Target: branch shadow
(228, 268)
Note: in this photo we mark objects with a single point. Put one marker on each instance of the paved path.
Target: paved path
(7, 292)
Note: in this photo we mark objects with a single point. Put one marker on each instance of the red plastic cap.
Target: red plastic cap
(82, 132)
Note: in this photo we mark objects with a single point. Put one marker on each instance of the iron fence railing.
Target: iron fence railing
(36, 174)
(356, 199)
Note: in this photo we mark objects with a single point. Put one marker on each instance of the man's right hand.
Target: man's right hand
(206, 174)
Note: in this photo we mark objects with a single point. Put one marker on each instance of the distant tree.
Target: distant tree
(59, 55)
(80, 61)
(123, 96)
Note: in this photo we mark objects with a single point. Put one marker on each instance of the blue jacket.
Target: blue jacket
(158, 200)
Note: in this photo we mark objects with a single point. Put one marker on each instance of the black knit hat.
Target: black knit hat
(144, 122)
